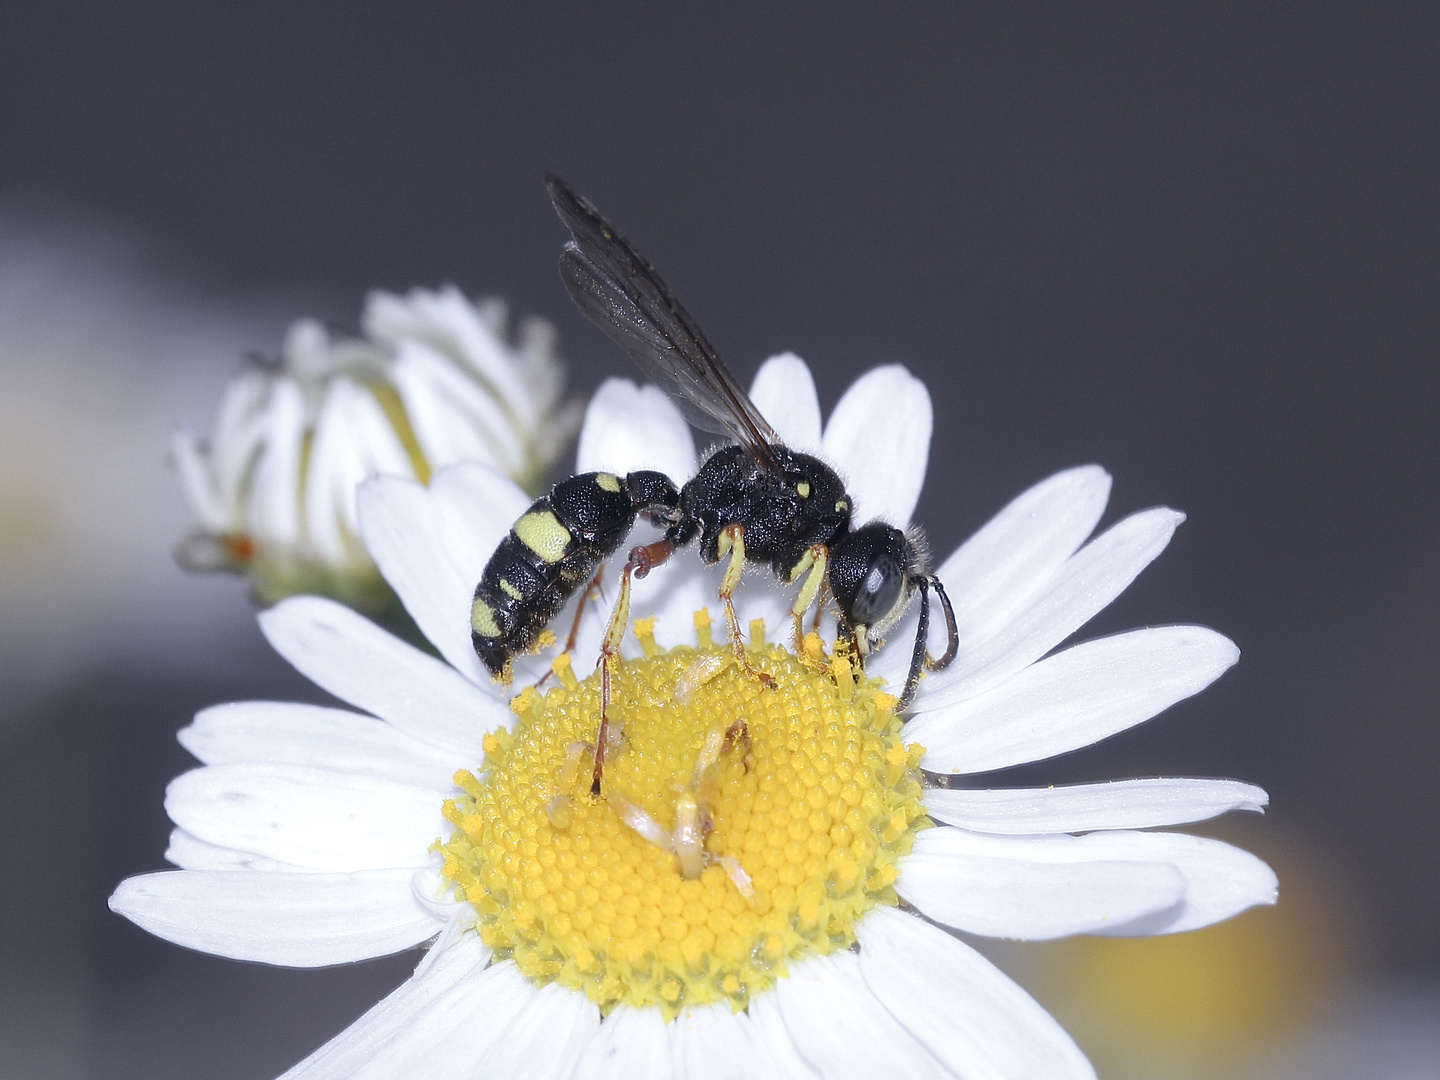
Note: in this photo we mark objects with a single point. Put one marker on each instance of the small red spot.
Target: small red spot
(241, 547)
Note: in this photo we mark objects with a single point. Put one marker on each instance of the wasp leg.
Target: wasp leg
(642, 560)
(732, 542)
(593, 589)
(820, 604)
(816, 561)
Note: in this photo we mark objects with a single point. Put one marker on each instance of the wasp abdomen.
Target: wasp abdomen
(551, 551)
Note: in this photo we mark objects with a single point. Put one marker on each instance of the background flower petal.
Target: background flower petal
(294, 920)
(1120, 804)
(1079, 696)
(978, 1023)
(355, 660)
(284, 732)
(784, 392)
(1004, 888)
(353, 441)
(879, 438)
(629, 427)
(310, 817)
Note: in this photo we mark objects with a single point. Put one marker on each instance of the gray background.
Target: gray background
(1195, 244)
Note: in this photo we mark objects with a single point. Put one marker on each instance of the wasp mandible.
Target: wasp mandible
(754, 500)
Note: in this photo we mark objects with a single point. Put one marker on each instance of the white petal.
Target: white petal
(713, 1043)
(784, 393)
(407, 535)
(1033, 889)
(358, 662)
(444, 318)
(275, 498)
(198, 483)
(191, 853)
(1000, 570)
(437, 1026)
(546, 1039)
(632, 1044)
(1089, 580)
(1076, 697)
(446, 431)
(354, 440)
(879, 438)
(309, 817)
(334, 739)
(1122, 804)
(469, 509)
(241, 425)
(295, 920)
(1220, 880)
(772, 1039)
(960, 1006)
(454, 418)
(838, 1025)
(629, 427)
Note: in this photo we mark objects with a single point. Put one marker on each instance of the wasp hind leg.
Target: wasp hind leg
(642, 560)
(591, 591)
(732, 542)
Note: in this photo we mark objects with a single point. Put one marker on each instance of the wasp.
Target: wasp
(754, 500)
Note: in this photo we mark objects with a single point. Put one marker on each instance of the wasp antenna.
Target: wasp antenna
(952, 643)
(917, 655)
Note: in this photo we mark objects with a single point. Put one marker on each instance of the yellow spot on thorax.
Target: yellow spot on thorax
(608, 482)
(800, 823)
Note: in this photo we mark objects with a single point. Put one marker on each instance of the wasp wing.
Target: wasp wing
(623, 295)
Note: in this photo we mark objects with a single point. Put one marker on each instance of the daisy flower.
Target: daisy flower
(810, 937)
(435, 381)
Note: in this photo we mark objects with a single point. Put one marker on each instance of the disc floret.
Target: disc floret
(805, 794)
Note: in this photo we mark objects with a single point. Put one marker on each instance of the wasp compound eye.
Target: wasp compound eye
(878, 592)
(868, 575)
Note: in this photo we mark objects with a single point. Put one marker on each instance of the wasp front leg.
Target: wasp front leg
(732, 542)
(815, 562)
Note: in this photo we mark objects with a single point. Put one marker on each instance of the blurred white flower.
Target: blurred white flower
(435, 381)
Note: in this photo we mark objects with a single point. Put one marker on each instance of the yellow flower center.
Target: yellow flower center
(740, 827)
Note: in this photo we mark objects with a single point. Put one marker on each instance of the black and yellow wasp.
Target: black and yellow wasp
(752, 501)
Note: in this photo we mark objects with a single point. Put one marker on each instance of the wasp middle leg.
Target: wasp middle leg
(732, 542)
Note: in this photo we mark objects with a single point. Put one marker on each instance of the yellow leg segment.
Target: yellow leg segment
(815, 561)
(732, 542)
